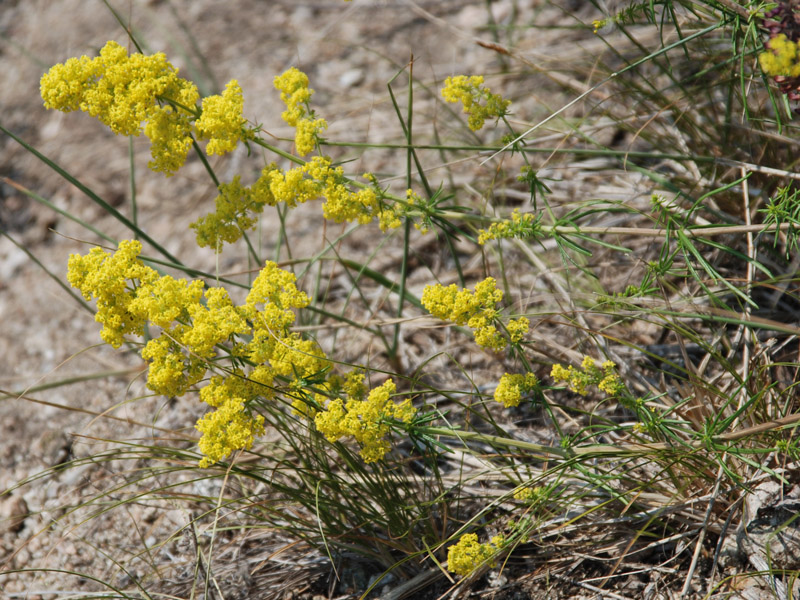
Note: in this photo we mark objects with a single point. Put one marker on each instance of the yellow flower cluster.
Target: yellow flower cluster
(519, 226)
(104, 278)
(231, 426)
(467, 555)
(477, 99)
(511, 388)
(528, 495)
(604, 377)
(235, 210)
(598, 24)
(236, 205)
(782, 59)
(517, 328)
(295, 93)
(195, 325)
(368, 421)
(124, 92)
(221, 121)
(477, 310)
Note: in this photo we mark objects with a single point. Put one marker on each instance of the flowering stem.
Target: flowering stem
(205, 162)
(699, 232)
(290, 157)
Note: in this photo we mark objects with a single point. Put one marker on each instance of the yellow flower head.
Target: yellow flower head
(172, 372)
(221, 121)
(477, 99)
(365, 420)
(307, 134)
(477, 310)
(511, 388)
(782, 59)
(467, 555)
(110, 279)
(295, 93)
(213, 323)
(230, 427)
(604, 377)
(124, 92)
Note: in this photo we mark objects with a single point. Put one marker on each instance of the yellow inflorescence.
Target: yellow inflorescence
(517, 328)
(519, 226)
(511, 388)
(235, 210)
(136, 93)
(231, 426)
(529, 495)
(467, 555)
(221, 122)
(477, 310)
(195, 326)
(368, 421)
(105, 277)
(782, 59)
(604, 377)
(236, 205)
(477, 99)
(295, 93)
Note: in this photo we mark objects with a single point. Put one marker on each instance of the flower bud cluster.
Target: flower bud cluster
(477, 99)
(467, 555)
(477, 310)
(519, 226)
(604, 377)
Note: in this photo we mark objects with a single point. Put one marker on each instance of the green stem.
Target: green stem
(94, 197)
